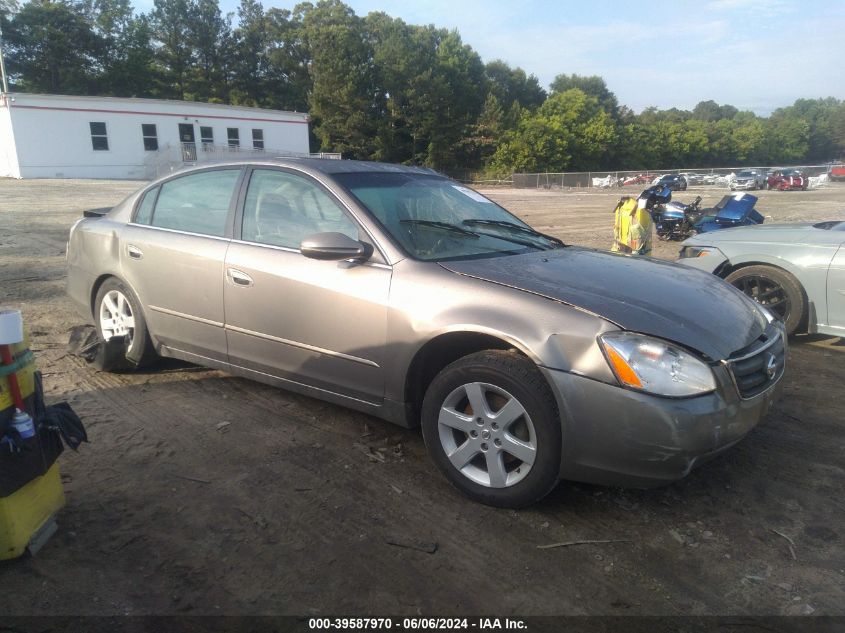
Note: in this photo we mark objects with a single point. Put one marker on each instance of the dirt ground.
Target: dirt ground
(206, 494)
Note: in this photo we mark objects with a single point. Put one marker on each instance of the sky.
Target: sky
(756, 55)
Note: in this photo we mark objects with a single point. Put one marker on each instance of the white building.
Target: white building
(52, 136)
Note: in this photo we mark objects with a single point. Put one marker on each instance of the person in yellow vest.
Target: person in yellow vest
(632, 225)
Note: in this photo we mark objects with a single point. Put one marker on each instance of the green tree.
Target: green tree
(480, 143)
(343, 92)
(171, 22)
(748, 140)
(570, 131)
(429, 92)
(787, 138)
(52, 48)
(591, 85)
(512, 84)
(402, 54)
(211, 40)
(125, 57)
(459, 88)
(251, 60)
(288, 77)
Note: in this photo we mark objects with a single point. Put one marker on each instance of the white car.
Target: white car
(748, 179)
(796, 270)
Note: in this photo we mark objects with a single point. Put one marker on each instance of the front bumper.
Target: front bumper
(615, 436)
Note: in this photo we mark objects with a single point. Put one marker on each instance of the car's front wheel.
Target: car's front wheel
(490, 423)
(774, 288)
(117, 313)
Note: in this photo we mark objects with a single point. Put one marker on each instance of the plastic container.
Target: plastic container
(30, 485)
(27, 515)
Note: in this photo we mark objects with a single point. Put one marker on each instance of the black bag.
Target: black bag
(21, 461)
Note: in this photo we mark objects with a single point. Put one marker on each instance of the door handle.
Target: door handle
(134, 252)
(238, 277)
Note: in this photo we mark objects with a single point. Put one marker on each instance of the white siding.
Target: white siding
(53, 135)
(8, 155)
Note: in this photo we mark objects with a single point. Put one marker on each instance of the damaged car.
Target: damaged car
(788, 180)
(398, 292)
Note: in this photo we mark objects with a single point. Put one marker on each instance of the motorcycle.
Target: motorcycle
(733, 210)
(677, 221)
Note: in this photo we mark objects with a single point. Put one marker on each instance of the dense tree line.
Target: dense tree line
(377, 87)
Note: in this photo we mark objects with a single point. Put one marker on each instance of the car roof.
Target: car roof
(322, 165)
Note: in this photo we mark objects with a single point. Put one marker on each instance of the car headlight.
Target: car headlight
(688, 252)
(654, 366)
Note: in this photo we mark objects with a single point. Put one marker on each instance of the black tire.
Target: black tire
(780, 292)
(139, 351)
(495, 372)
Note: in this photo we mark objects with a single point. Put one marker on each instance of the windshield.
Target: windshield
(746, 174)
(435, 219)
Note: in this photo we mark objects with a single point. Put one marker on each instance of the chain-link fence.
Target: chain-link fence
(586, 179)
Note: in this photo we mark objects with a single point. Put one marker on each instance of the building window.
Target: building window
(99, 136)
(150, 134)
(258, 139)
(206, 137)
(234, 137)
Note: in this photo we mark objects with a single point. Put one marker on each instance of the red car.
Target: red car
(836, 172)
(788, 180)
(639, 179)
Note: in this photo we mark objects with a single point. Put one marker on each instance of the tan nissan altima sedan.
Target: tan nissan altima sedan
(401, 293)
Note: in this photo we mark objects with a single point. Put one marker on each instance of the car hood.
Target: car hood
(666, 300)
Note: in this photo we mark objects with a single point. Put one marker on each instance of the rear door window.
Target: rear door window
(196, 203)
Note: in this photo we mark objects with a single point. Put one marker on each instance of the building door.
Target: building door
(188, 141)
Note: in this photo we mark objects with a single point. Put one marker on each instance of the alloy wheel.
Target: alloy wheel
(487, 435)
(766, 292)
(116, 318)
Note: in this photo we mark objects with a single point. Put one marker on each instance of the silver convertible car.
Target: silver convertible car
(796, 270)
(403, 294)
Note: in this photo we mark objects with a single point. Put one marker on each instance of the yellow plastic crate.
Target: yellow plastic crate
(26, 515)
(28, 511)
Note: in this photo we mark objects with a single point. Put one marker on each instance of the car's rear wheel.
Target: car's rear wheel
(774, 288)
(117, 313)
(490, 423)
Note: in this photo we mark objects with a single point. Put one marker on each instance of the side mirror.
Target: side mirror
(334, 247)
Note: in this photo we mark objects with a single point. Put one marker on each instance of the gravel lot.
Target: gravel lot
(206, 494)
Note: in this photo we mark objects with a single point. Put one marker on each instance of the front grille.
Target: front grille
(759, 366)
